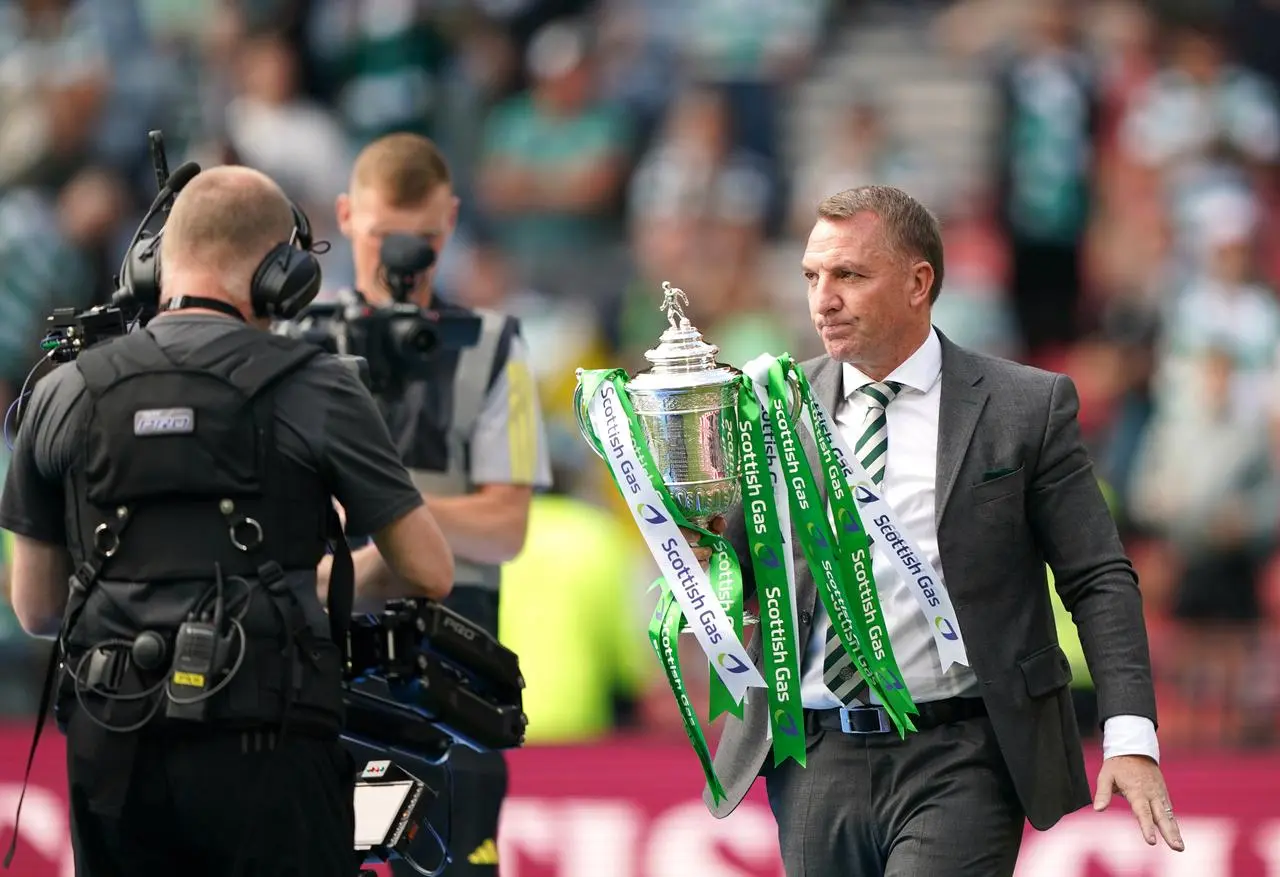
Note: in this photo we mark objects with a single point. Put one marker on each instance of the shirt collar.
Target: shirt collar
(920, 371)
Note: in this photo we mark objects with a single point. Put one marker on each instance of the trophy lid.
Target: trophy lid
(682, 358)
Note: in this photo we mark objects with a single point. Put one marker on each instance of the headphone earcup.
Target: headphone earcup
(286, 281)
(142, 271)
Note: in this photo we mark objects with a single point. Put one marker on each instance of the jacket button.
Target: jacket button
(805, 616)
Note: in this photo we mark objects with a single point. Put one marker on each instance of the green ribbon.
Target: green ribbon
(841, 570)
(768, 560)
(724, 570)
(840, 561)
(664, 632)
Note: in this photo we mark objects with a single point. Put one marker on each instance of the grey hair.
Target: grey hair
(910, 229)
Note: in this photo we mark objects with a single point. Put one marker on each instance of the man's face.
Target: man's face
(866, 302)
(366, 217)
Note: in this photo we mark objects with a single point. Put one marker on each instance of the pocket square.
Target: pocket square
(993, 474)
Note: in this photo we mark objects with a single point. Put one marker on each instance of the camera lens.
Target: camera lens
(412, 336)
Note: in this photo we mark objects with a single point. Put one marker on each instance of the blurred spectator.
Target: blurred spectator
(1205, 479)
(1050, 112)
(379, 64)
(973, 310)
(268, 118)
(554, 163)
(51, 256)
(858, 150)
(1203, 121)
(54, 77)
(755, 55)
(1223, 307)
(699, 207)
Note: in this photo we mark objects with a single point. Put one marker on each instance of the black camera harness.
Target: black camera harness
(203, 444)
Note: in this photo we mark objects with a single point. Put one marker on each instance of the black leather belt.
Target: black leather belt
(873, 719)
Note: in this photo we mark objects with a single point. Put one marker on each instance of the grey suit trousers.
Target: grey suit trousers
(939, 804)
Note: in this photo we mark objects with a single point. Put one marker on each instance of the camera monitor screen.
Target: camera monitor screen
(378, 806)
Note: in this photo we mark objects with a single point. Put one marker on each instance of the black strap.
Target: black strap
(46, 698)
(100, 366)
(183, 302)
(342, 584)
(261, 360)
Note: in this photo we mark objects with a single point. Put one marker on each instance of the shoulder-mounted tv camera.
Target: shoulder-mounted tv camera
(283, 283)
(137, 295)
(421, 677)
(399, 341)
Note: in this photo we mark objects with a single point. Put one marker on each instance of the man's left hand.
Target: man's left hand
(1138, 779)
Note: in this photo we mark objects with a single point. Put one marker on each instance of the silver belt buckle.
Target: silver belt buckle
(882, 717)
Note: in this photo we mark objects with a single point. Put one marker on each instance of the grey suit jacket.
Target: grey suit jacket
(995, 537)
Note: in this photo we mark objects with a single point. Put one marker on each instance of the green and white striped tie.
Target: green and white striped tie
(872, 450)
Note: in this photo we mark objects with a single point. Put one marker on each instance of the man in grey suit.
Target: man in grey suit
(981, 461)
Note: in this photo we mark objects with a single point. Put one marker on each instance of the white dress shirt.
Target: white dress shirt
(909, 488)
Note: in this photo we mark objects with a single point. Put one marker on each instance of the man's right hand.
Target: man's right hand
(716, 525)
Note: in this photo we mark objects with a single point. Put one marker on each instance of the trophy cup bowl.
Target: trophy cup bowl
(687, 406)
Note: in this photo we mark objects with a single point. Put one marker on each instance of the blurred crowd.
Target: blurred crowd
(1113, 219)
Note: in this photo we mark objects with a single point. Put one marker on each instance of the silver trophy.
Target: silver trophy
(687, 405)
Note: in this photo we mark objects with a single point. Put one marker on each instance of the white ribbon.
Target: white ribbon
(892, 541)
(690, 585)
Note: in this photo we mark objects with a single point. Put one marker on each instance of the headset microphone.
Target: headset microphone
(138, 281)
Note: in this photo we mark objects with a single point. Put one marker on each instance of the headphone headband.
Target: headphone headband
(285, 281)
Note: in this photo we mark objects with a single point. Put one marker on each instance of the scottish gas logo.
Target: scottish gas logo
(650, 514)
(815, 534)
(944, 627)
(732, 663)
(863, 492)
(846, 521)
(766, 555)
(785, 724)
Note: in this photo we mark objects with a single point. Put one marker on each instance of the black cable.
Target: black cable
(16, 408)
(245, 597)
(218, 599)
(80, 688)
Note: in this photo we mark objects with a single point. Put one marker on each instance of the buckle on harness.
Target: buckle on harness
(106, 541)
(270, 574)
(245, 533)
(84, 575)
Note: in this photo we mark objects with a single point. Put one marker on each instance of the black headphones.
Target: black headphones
(284, 283)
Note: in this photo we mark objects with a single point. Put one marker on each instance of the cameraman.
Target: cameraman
(252, 779)
(471, 436)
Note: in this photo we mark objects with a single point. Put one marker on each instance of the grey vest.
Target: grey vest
(470, 387)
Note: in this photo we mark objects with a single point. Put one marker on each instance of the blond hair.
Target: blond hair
(403, 168)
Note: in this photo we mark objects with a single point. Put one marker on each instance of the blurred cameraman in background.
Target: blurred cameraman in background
(471, 436)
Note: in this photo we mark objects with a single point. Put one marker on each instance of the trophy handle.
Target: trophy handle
(580, 412)
(797, 405)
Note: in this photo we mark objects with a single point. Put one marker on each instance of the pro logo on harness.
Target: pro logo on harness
(164, 421)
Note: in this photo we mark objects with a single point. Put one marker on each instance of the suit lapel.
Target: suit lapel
(826, 381)
(962, 401)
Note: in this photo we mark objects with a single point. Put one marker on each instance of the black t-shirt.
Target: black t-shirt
(325, 420)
